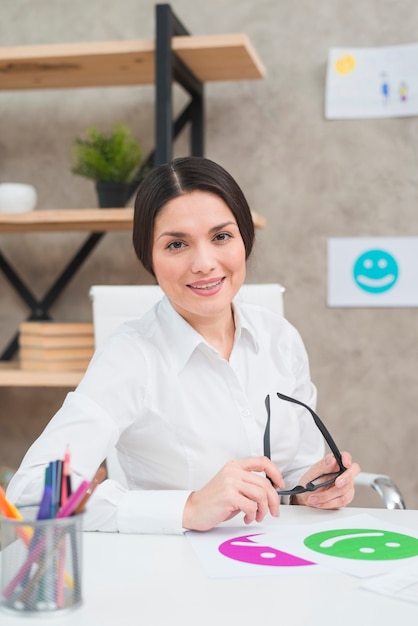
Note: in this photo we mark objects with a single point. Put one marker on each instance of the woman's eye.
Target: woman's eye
(222, 236)
(175, 245)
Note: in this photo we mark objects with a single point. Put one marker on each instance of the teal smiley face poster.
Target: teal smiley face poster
(372, 272)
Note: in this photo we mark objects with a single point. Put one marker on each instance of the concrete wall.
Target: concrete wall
(310, 178)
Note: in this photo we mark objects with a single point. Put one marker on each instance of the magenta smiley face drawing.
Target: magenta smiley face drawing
(246, 550)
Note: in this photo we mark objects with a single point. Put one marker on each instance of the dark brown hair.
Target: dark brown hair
(179, 177)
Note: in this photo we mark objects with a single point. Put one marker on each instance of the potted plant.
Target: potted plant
(112, 160)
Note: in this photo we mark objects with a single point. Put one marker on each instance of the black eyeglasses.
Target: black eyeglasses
(319, 481)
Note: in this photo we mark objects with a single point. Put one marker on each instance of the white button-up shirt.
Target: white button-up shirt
(177, 412)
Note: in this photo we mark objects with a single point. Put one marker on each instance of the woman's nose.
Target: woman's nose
(203, 260)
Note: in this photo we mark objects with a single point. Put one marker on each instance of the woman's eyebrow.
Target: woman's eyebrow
(221, 226)
(172, 233)
(181, 235)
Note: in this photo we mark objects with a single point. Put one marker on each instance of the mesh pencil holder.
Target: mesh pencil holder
(41, 564)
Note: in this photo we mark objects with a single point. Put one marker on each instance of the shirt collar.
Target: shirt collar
(182, 339)
(244, 327)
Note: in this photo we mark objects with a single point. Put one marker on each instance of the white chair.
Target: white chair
(115, 304)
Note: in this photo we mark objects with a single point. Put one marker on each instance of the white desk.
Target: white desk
(158, 581)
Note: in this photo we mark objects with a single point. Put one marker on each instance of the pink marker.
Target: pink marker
(74, 500)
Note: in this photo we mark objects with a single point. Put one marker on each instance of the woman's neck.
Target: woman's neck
(219, 332)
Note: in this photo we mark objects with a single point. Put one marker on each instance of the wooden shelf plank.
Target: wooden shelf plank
(117, 63)
(12, 376)
(92, 220)
(220, 57)
(50, 220)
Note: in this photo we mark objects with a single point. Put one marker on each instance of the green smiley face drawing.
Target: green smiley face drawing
(363, 544)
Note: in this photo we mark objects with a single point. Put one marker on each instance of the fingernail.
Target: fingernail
(312, 499)
(340, 482)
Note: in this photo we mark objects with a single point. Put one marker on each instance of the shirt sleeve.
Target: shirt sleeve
(116, 509)
(90, 422)
(112, 508)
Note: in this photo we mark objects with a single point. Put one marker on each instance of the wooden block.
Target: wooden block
(60, 341)
(56, 328)
(58, 335)
(55, 354)
(74, 365)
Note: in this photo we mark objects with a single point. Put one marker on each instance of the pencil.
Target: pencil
(99, 476)
(10, 511)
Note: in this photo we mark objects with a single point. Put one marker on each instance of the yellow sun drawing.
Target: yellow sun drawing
(345, 64)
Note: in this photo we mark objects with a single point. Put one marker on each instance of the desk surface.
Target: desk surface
(158, 580)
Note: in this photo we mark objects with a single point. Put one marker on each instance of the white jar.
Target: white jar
(17, 197)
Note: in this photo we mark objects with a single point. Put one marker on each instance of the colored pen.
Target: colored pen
(45, 506)
(67, 471)
(74, 500)
(66, 477)
(99, 476)
(10, 511)
(7, 508)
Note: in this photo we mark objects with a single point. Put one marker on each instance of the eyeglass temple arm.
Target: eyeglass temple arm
(267, 451)
(325, 432)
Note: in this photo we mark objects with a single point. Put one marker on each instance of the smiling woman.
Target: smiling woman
(180, 391)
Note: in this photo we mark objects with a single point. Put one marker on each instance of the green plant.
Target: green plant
(113, 156)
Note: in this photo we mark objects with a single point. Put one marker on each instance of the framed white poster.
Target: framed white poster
(373, 272)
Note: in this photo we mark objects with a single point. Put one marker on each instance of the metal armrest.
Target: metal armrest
(385, 487)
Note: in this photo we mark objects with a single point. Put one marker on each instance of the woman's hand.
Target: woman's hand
(236, 487)
(333, 496)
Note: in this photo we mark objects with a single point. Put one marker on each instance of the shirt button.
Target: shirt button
(246, 413)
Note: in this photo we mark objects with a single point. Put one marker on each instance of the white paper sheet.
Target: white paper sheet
(401, 584)
(372, 82)
(361, 545)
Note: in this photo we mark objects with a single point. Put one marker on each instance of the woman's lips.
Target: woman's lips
(207, 286)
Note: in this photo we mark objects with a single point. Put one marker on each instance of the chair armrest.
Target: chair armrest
(385, 487)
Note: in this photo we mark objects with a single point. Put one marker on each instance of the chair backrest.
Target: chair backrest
(115, 304)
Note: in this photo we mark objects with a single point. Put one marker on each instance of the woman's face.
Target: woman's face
(198, 255)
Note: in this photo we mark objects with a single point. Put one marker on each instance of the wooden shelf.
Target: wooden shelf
(12, 376)
(118, 63)
(60, 220)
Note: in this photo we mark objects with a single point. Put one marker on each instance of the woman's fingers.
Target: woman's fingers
(334, 496)
(240, 486)
(341, 492)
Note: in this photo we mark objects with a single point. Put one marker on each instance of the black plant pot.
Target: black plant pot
(112, 194)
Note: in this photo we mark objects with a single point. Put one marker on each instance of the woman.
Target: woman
(181, 392)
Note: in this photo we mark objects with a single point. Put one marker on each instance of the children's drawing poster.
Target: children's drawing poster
(372, 82)
(361, 545)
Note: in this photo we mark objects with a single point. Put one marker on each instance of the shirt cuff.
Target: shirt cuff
(152, 512)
